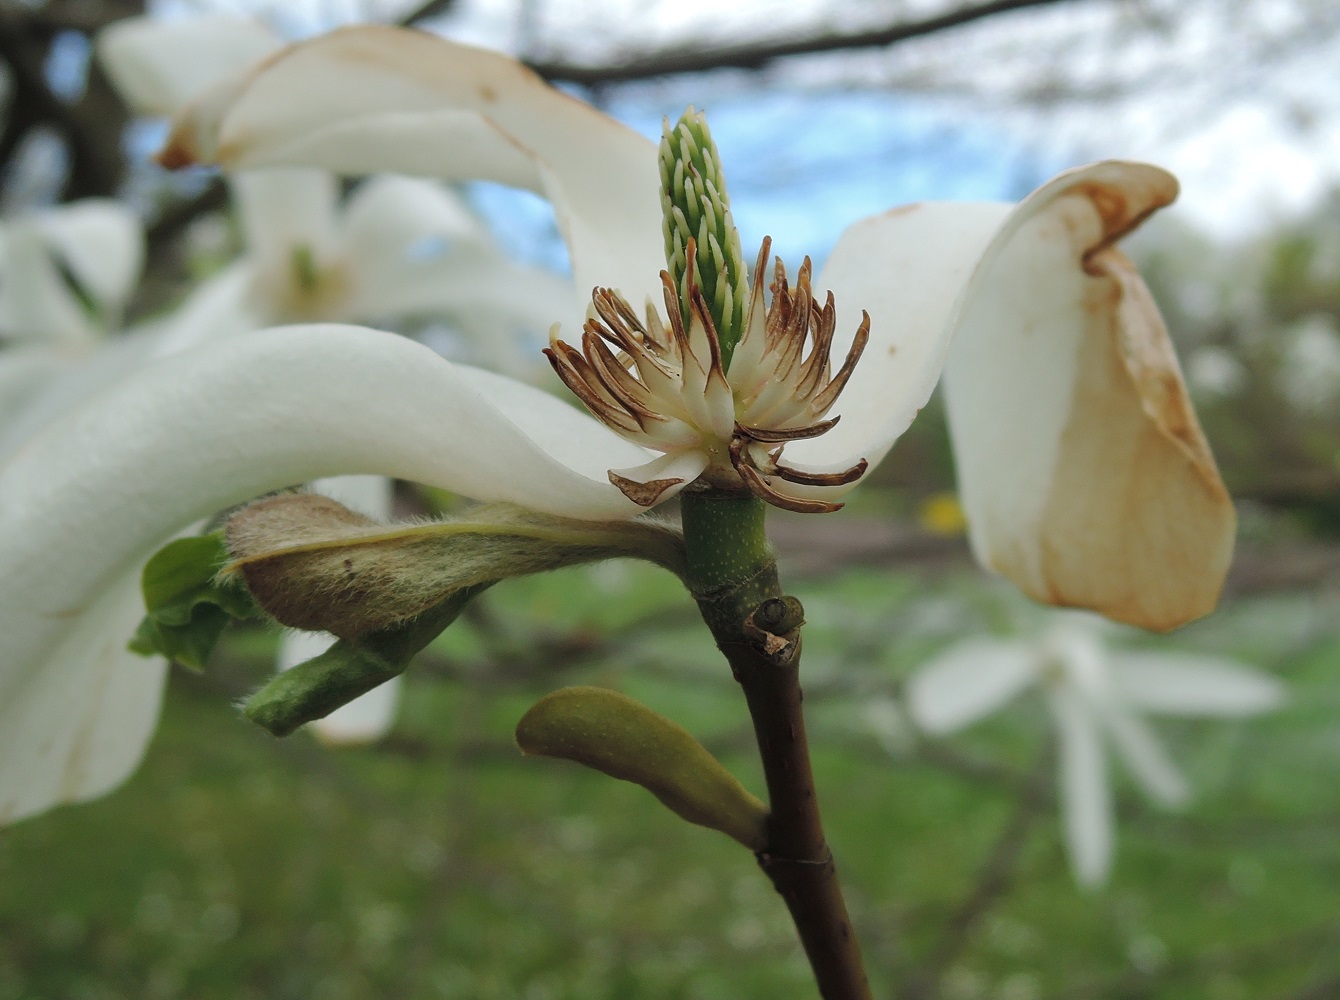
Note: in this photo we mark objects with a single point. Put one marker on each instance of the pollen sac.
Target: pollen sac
(665, 385)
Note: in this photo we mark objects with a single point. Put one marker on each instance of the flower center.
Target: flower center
(307, 290)
(663, 385)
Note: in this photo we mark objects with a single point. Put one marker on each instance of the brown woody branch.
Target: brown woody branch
(697, 59)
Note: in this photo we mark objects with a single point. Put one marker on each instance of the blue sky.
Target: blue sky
(802, 166)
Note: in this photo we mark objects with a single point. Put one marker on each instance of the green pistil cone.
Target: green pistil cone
(695, 205)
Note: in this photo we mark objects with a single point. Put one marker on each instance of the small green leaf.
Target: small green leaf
(614, 734)
(188, 607)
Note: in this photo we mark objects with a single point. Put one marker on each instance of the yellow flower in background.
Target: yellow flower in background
(942, 514)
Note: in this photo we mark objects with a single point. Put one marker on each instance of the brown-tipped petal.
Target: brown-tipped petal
(779, 313)
(698, 307)
(780, 288)
(616, 336)
(774, 435)
(643, 494)
(760, 488)
(659, 478)
(829, 394)
(1083, 473)
(801, 478)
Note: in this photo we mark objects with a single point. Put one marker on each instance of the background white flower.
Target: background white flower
(1096, 696)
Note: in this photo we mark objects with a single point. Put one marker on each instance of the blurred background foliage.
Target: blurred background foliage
(440, 864)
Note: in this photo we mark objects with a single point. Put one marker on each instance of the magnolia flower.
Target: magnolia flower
(1083, 472)
(1095, 695)
(1085, 476)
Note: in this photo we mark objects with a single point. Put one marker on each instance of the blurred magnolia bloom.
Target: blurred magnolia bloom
(397, 249)
(66, 273)
(1097, 697)
(1083, 473)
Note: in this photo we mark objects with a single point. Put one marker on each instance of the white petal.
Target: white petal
(370, 99)
(1190, 684)
(75, 728)
(907, 268)
(388, 214)
(1086, 796)
(283, 212)
(684, 466)
(1144, 756)
(968, 681)
(368, 717)
(78, 377)
(414, 249)
(157, 65)
(218, 308)
(24, 373)
(102, 241)
(83, 503)
(1082, 470)
(369, 495)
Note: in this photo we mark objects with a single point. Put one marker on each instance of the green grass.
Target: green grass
(442, 864)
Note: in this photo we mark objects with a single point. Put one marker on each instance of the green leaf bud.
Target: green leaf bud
(348, 669)
(313, 564)
(614, 734)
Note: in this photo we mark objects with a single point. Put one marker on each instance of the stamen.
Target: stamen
(823, 322)
(662, 384)
(830, 392)
(774, 435)
(615, 378)
(822, 478)
(760, 488)
(576, 374)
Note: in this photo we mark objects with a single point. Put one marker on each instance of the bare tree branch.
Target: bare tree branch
(756, 56)
(86, 16)
(433, 8)
(994, 879)
(95, 167)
